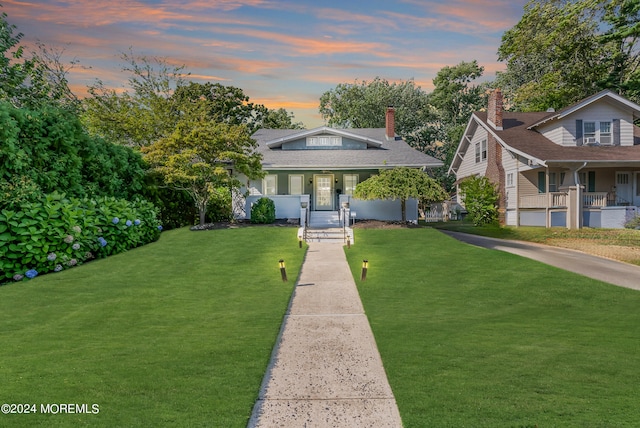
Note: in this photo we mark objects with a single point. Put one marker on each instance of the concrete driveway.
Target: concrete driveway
(611, 271)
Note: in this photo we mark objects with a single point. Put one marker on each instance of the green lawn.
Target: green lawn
(475, 337)
(176, 333)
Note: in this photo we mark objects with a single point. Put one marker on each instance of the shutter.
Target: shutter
(616, 132)
(578, 132)
(542, 182)
(592, 181)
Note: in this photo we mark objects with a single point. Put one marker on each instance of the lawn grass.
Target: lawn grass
(481, 338)
(175, 333)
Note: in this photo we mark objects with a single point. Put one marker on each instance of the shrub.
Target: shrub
(634, 223)
(480, 200)
(263, 211)
(56, 233)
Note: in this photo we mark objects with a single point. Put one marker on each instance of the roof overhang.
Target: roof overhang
(635, 108)
(319, 131)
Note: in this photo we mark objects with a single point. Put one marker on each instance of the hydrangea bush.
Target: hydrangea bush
(57, 233)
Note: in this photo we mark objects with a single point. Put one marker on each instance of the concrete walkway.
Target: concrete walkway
(611, 271)
(326, 370)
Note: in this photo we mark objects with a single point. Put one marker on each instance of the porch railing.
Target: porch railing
(544, 200)
(594, 199)
(559, 199)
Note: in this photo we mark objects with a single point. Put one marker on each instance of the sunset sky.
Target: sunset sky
(282, 53)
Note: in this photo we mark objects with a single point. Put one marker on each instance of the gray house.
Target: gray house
(316, 170)
(577, 167)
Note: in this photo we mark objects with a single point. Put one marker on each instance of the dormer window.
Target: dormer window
(597, 133)
(324, 141)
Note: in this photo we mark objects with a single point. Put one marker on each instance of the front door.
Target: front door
(624, 188)
(323, 191)
(636, 193)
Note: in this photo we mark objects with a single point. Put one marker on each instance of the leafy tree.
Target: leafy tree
(401, 183)
(562, 51)
(46, 150)
(363, 104)
(623, 22)
(196, 156)
(35, 79)
(480, 200)
(454, 97)
(142, 116)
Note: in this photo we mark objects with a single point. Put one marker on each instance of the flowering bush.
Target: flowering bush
(56, 233)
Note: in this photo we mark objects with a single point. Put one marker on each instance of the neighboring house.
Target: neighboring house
(318, 170)
(576, 167)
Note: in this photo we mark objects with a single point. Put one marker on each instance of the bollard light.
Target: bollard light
(365, 266)
(300, 242)
(283, 270)
(348, 242)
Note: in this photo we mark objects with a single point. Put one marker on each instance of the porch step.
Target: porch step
(327, 235)
(324, 219)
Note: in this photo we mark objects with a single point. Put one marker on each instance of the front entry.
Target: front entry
(323, 192)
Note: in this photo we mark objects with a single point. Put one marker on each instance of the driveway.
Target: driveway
(611, 271)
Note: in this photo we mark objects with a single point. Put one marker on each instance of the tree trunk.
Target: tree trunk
(403, 206)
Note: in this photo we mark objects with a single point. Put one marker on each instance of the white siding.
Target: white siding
(510, 164)
(468, 166)
(564, 131)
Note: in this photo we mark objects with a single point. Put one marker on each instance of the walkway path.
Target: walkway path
(326, 370)
(611, 271)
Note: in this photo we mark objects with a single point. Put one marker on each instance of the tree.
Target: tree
(454, 97)
(35, 80)
(363, 104)
(401, 183)
(142, 116)
(623, 34)
(197, 155)
(480, 200)
(562, 51)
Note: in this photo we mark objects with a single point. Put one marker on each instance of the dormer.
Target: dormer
(605, 119)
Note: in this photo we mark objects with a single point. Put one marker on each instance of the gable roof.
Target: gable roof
(519, 136)
(381, 153)
(611, 96)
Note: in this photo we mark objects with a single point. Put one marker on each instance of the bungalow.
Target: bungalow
(315, 171)
(577, 167)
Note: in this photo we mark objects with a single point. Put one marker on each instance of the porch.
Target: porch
(598, 210)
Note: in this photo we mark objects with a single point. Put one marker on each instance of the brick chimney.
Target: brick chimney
(494, 109)
(391, 123)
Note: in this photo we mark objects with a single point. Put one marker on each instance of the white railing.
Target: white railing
(594, 199)
(544, 200)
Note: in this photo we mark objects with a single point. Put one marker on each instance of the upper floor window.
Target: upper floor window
(324, 141)
(597, 133)
(481, 151)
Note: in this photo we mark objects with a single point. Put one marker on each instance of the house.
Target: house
(577, 167)
(316, 170)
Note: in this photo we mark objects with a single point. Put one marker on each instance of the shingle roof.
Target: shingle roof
(390, 153)
(515, 134)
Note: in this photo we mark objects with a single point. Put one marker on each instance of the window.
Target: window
(324, 141)
(597, 133)
(588, 180)
(270, 185)
(605, 133)
(510, 179)
(542, 182)
(350, 182)
(296, 184)
(481, 151)
(553, 185)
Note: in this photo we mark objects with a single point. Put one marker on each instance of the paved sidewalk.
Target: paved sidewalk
(326, 370)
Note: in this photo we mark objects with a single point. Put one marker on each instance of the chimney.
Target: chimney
(391, 123)
(494, 110)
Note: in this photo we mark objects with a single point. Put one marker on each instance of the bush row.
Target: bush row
(56, 233)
